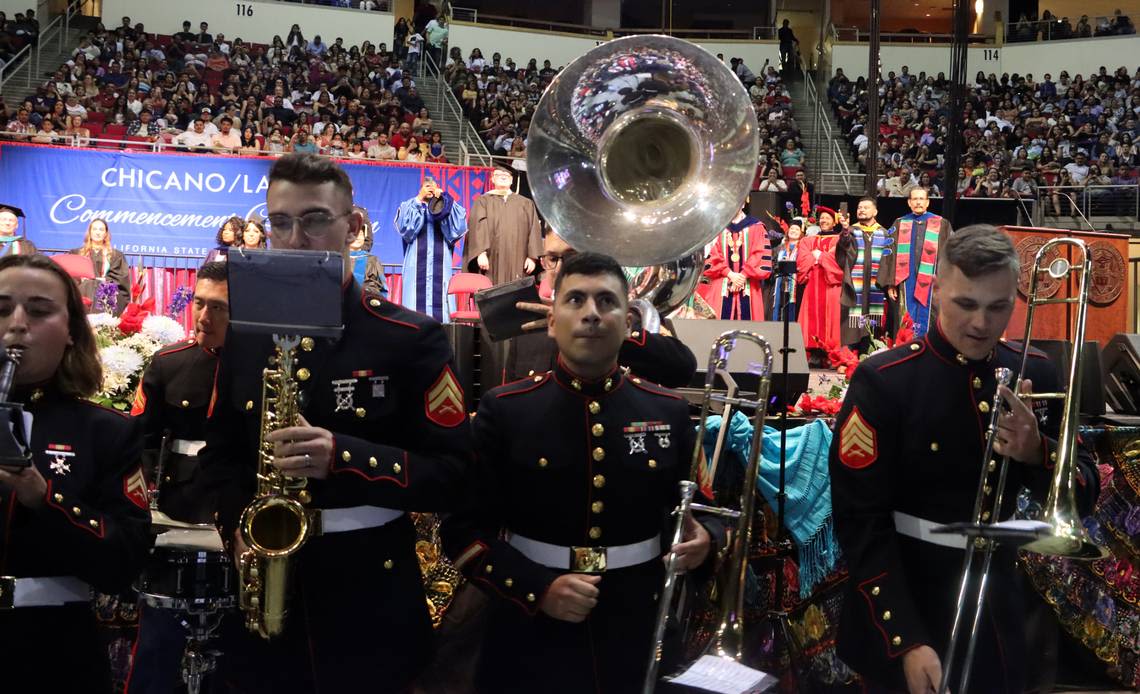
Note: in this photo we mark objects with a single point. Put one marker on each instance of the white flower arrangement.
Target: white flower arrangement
(125, 355)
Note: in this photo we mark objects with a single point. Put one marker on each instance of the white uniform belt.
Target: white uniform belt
(586, 559)
(342, 520)
(42, 592)
(186, 447)
(922, 529)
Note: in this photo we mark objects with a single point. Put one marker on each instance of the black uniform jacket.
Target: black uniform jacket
(663, 359)
(93, 525)
(172, 402)
(386, 389)
(577, 464)
(910, 439)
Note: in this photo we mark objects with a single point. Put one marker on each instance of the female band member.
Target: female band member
(75, 518)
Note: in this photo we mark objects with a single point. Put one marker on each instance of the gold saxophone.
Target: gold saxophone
(276, 523)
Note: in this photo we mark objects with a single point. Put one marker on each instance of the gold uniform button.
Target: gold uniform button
(576, 384)
(914, 347)
(396, 468)
(594, 407)
(875, 590)
(304, 496)
(303, 374)
(360, 412)
(992, 466)
(543, 462)
(896, 641)
(599, 481)
(984, 407)
(595, 533)
(488, 568)
(93, 523)
(962, 359)
(530, 373)
(346, 456)
(1053, 456)
(76, 510)
(372, 462)
(597, 507)
(635, 334)
(599, 454)
(537, 379)
(987, 490)
(985, 516)
(248, 405)
(307, 344)
(887, 616)
(977, 383)
(509, 582)
(609, 384)
(186, 403)
(636, 380)
(58, 498)
(374, 303)
(933, 446)
(388, 564)
(530, 597)
(652, 464)
(597, 430)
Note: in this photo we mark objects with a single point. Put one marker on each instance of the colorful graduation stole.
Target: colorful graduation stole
(927, 258)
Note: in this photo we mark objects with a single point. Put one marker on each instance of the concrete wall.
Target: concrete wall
(1077, 56)
(258, 22)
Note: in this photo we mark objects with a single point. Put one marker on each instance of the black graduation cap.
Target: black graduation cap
(12, 208)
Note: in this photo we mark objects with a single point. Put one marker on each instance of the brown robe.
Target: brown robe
(508, 230)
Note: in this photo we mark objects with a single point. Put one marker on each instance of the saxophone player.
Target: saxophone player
(383, 430)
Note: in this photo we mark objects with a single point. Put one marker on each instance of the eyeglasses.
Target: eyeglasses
(313, 224)
(550, 260)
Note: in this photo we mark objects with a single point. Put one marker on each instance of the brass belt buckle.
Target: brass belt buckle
(7, 592)
(587, 560)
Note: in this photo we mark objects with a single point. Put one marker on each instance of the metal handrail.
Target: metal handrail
(1085, 196)
(822, 122)
(857, 34)
(471, 147)
(1043, 30)
(14, 65)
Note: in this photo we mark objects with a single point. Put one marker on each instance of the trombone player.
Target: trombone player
(564, 531)
(903, 462)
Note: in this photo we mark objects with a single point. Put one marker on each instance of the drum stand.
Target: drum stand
(197, 660)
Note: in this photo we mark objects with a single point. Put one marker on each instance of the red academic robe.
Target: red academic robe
(754, 260)
(823, 282)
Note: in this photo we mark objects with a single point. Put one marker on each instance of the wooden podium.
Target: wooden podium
(1108, 293)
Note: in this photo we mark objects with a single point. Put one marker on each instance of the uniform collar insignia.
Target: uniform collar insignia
(572, 382)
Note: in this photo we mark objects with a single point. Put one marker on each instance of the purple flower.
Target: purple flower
(106, 297)
(179, 301)
(1132, 521)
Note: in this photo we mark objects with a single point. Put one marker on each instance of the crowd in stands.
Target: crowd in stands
(499, 98)
(370, 5)
(1053, 28)
(1071, 133)
(21, 30)
(201, 91)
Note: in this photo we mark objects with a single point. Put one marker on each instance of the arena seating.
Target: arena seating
(1069, 132)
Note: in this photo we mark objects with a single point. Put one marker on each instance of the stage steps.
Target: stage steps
(450, 122)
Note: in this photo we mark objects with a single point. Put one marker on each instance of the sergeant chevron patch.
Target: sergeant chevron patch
(443, 401)
(857, 442)
(134, 488)
(138, 405)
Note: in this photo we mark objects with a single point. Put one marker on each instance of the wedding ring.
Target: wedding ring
(308, 460)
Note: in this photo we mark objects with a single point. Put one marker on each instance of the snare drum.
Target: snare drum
(188, 571)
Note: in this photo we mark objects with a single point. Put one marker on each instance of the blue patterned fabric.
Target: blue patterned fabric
(807, 508)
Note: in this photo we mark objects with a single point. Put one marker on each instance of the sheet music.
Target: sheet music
(724, 676)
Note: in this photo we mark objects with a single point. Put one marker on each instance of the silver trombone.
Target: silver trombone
(1062, 533)
(728, 639)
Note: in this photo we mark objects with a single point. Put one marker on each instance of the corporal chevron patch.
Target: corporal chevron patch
(443, 401)
(134, 488)
(138, 405)
(858, 446)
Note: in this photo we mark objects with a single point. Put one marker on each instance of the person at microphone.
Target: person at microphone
(564, 531)
(430, 225)
(657, 356)
(75, 518)
(907, 456)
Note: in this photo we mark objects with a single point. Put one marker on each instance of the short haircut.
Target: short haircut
(591, 264)
(918, 189)
(310, 169)
(213, 271)
(80, 373)
(980, 249)
(868, 198)
(227, 119)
